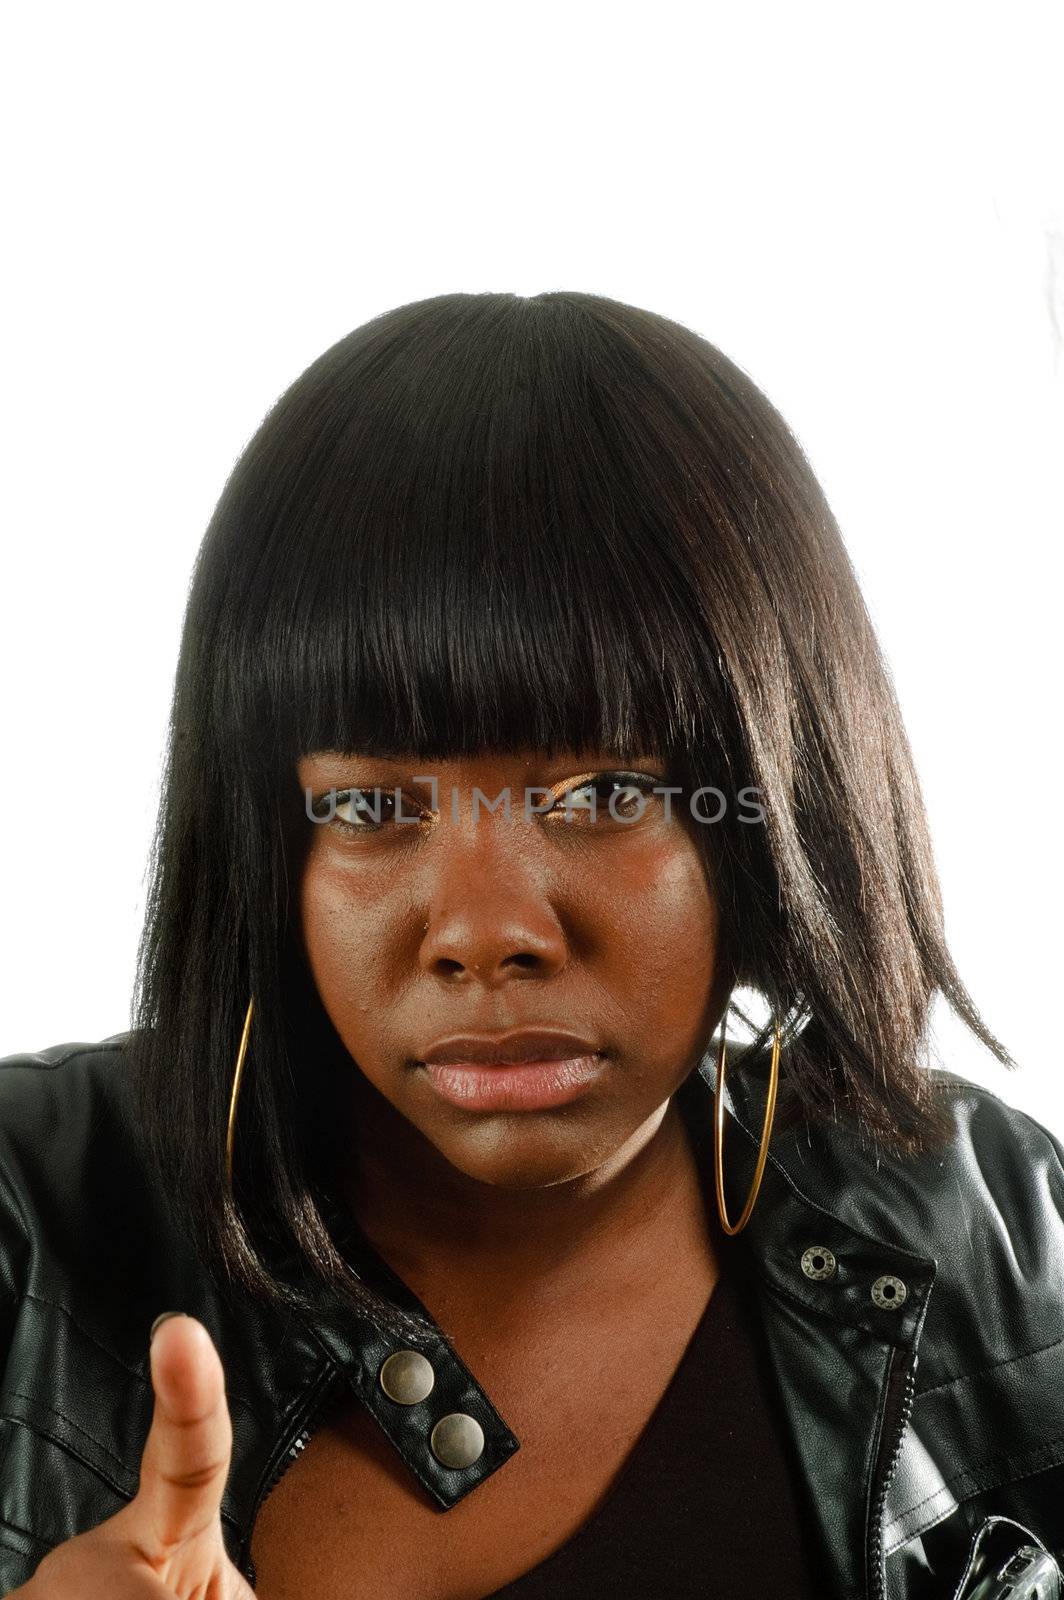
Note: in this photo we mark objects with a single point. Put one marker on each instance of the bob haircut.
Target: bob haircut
(483, 523)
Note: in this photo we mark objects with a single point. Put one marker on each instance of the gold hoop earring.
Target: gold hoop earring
(237, 1075)
(718, 1129)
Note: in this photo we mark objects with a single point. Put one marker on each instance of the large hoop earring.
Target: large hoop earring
(237, 1075)
(718, 1129)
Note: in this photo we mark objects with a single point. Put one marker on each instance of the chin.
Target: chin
(498, 1159)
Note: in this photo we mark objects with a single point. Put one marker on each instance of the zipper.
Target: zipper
(901, 1392)
(290, 1449)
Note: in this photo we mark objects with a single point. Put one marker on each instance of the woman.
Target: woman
(527, 714)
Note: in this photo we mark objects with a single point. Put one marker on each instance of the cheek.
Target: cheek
(338, 945)
(662, 922)
(320, 923)
(663, 898)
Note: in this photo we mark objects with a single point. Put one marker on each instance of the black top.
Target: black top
(705, 1505)
(708, 1501)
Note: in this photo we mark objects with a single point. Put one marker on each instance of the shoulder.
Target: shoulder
(1000, 1164)
(57, 1064)
(995, 1192)
(1000, 1171)
(987, 1208)
(985, 1122)
(996, 1197)
(984, 1211)
(78, 1292)
(40, 1063)
(78, 1200)
(60, 1107)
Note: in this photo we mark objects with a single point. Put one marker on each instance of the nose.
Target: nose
(490, 920)
(491, 948)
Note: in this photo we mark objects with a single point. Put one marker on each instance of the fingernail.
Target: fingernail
(162, 1318)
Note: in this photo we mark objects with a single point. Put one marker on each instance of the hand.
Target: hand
(166, 1544)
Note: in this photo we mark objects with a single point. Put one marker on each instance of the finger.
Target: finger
(187, 1453)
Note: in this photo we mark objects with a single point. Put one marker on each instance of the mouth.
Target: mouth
(524, 1069)
(545, 1043)
(514, 1085)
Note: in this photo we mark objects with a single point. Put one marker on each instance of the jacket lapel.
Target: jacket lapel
(831, 1344)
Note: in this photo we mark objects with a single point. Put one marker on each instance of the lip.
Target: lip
(543, 1044)
(514, 1086)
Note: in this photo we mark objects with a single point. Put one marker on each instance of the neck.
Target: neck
(440, 1229)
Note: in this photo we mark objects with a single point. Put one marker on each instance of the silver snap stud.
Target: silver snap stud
(818, 1262)
(457, 1440)
(889, 1292)
(407, 1377)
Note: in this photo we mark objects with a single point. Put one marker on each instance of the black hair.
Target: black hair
(485, 522)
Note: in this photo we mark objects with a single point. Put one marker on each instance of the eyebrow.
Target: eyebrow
(373, 752)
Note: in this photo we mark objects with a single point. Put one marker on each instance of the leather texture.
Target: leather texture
(912, 1422)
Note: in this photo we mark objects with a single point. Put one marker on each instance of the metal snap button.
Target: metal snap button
(457, 1440)
(818, 1262)
(407, 1377)
(889, 1292)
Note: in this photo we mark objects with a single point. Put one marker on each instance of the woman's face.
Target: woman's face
(479, 923)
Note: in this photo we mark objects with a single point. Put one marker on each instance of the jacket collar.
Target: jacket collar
(808, 1199)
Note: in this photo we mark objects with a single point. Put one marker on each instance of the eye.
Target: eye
(605, 797)
(367, 810)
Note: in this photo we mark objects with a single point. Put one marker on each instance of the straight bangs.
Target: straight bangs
(485, 559)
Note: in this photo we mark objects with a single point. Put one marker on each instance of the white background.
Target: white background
(864, 207)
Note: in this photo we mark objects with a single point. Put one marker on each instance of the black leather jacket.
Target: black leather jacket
(913, 1314)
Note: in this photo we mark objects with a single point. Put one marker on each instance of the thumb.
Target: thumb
(187, 1453)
